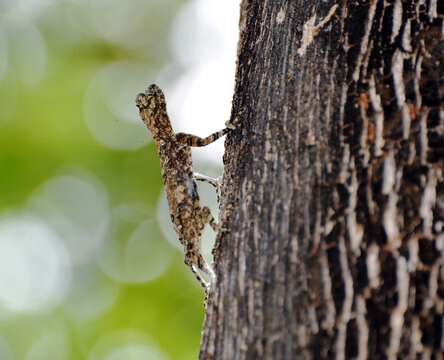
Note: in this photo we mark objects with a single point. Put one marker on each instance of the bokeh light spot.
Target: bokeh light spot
(109, 108)
(77, 207)
(5, 350)
(134, 251)
(4, 62)
(34, 265)
(51, 346)
(23, 10)
(92, 294)
(28, 53)
(126, 344)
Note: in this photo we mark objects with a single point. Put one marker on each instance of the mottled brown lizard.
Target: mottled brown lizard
(189, 217)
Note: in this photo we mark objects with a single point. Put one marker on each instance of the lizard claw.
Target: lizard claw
(230, 125)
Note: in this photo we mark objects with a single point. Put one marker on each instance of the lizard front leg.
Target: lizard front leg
(196, 141)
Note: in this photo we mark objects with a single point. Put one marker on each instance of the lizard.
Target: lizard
(188, 216)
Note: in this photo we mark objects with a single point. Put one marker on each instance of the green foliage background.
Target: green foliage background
(42, 132)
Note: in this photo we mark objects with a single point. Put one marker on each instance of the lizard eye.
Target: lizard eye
(141, 101)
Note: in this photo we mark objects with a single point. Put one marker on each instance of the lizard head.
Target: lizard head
(152, 99)
(152, 107)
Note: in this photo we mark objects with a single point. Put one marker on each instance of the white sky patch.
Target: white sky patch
(204, 40)
(109, 109)
(205, 29)
(77, 208)
(34, 265)
(203, 114)
(134, 251)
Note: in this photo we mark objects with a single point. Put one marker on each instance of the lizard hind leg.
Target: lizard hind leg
(194, 270)
(206, 268)
(195, 260)
(215, 182)
(207, 286)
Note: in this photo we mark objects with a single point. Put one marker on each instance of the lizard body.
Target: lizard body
(188, 216)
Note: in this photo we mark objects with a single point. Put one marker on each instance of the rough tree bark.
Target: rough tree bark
(333, 196)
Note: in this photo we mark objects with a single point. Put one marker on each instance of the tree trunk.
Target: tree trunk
(333, 197)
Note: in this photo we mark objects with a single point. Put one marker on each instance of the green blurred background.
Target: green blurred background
(89, 265)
